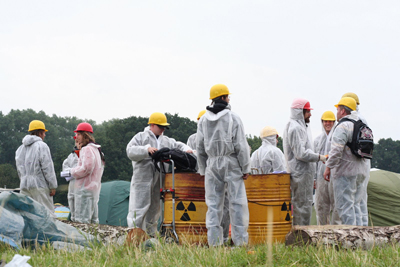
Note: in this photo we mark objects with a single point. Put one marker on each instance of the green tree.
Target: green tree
(386, 155)
(8, 176)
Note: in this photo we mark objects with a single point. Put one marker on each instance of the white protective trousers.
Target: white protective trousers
(144, 200)
(223, 157)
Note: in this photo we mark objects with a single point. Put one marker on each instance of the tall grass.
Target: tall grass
(186, 255)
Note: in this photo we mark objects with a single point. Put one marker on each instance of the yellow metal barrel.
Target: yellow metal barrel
(269, 201)
(190, 207)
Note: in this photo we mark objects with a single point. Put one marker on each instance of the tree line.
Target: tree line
(113, 136)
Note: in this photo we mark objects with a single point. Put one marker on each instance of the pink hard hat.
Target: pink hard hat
(84, 127)
(301, 103)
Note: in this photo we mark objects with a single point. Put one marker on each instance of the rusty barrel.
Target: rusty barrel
(269, 199)
(190, 207)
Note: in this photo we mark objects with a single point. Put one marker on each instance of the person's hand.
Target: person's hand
(52, 192)
(151, 150)
(327, 174)
(322, 158)
(189, 151)
(245, 176)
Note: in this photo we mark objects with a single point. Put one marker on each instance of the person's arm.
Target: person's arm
(86, 163)
(136, 151)
(241, 146)
(47, 166)
(201, 152)
(298, 140)
(339, 140)
(278, 162)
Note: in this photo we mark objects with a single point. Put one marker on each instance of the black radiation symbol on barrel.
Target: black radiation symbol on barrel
(185, 217)
(288, 209)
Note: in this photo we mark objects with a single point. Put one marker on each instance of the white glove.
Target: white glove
(65, 174)
(322, 158)
(69, 178)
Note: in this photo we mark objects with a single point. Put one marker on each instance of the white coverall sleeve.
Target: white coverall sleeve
(87, 164)
(339, 141)
(135, 151)
(68, 163)
(179, 145)
(297, 144)
(201, 152)
(241, 147)
(278, 162)
(47, 167)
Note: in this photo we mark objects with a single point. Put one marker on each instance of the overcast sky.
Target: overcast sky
(114, 59)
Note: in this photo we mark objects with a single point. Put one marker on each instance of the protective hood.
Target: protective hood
(269, 140)
(213, 117)
(30, 139)
(147, 129)
(297, 115)
(94, 145)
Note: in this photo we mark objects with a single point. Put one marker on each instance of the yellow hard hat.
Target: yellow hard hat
(218, 90)
(268, 131)
(328, 116)
(201, 114)
(158, 118)
(36, 125)
(352, 95)
(348, 102)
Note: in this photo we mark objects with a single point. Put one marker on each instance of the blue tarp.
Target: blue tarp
(25, 221)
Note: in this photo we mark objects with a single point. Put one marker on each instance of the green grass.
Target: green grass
(174, 255)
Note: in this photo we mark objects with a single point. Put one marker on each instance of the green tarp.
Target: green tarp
(114, 203)
(384, 198)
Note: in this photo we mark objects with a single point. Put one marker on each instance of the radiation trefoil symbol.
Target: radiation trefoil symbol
(288, 209)
(185, 217)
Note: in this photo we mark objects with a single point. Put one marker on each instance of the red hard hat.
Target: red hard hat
(307, 106)
(300, 103)
(84, 127)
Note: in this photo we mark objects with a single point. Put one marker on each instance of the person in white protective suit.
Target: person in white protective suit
(70, 162)
(346, 171)
(87, 175)
(324, 200)
(144, 200)
(268, 158)
(364, 200)
(35, 167)
(191, 142)
(224, 158)
(301, 158)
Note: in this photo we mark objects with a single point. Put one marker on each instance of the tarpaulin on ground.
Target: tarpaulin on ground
(25, 221)
(114, 203)
(384, 198)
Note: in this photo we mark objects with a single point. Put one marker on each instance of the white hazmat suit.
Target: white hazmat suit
(348, 173)
(191, 142)
(36, 170)
(224, 157)
(324, 200)
(268, 158)
(88, 173)
(364, 200)
(144, 200)
(70, 162)
(298, 148)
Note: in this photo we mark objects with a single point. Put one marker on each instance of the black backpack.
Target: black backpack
(362, 142)
(184, 162)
